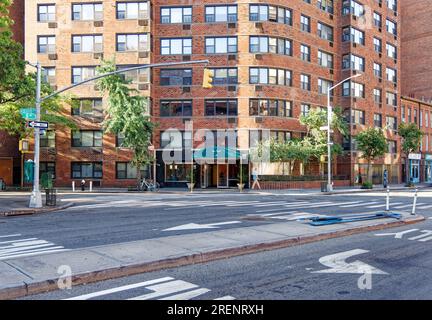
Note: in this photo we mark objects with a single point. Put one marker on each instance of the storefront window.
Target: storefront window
(176, 172)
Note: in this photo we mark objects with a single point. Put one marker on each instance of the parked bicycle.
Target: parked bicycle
(148, 185)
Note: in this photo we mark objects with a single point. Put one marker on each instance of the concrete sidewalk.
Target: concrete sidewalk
(16, 205)
(34, 274)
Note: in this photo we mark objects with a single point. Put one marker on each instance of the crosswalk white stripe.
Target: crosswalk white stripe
(286, 206)
(358, 204)
(425, 207)
(187, 295)
(3, 252)
(119, 289)
(18, 240)
(166, 289)
(408, 205)
(11, 235)
(383, 205)
(36, 252)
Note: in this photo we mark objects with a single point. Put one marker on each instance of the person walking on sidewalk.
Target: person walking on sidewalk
(255, 179)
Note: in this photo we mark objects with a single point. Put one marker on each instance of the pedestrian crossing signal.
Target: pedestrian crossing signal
(208, 79)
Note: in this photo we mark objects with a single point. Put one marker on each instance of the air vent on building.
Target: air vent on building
(186, 89)
(232, 88)
(354, 44)
(97, 150)
(98, 24)
(354, 17)
(143, 23)
(232, 25)
(186, 120)
(98, 55)
(331, 17)
(379, 29)
(379, 80)
(52, 56)
(143, 54)
(96, 87)
(143, 86)
(186, 27)
(232, 57)
(379, 105)
(331, 44)
(52, 25)
(380, 55)
(258, 25)
(186, 58)
(232, 120)
(258, 88)
(331, 71)
(258, 119)
(52, 151)
(258, 56)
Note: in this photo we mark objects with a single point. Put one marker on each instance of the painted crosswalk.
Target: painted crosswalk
(14, 246)
(166, 288)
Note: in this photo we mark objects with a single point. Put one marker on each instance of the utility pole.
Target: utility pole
(36, 197)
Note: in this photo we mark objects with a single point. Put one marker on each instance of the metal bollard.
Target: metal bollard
(91, 186)
(388, 200)
(73, 186)
(414, 202)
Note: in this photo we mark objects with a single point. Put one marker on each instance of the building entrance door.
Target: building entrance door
(428, 173)
(415, 171)
(222, 175)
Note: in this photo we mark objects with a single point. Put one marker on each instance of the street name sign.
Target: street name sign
(38, 124)
(28, 113)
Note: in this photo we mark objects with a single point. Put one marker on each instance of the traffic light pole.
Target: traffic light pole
(36, 197)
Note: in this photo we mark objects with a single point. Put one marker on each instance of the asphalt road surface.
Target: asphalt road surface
(388, 264)
(98, 219)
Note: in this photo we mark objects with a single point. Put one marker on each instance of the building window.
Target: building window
(377, 45)
(221, 107)
(350, 34)
(325, 59)
(87, 12)
(87, 107)
(49, 168)
(270, 107)
(377, 20)
(49, 75)
(304, 109)
(91, 43)
(126, 170)
(305, 23)
(132, 10)
(391, 99)
(325, 32)
(176, 77)
(221, 45)
(392, 146)
(80, 74)
(176, 46)
(391, 123)
(270, 76)
(377, 70)
(392, 4)
(47, 140)
(132, 42)
(326, 5)
(305, 82)
(377, 95)
(403, 114)
(357, 117)
(324, 85)
(221, 13)
(378, 120)
(176, 108)
(87, 138)
(353, 62)
(352, 7)
(81, 170)
(46, 12)
(176, 15)
(224, 76)
(391, 74)
(176, 172)
(353, 89)
(134, 76)
(391, 51)
(46, 44)
(391, 27)
(270, 13)
(270, 45)
(305, 53)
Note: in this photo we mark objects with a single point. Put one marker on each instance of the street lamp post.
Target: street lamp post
(329, 118)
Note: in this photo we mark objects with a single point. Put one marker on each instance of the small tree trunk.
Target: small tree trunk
(407, 170)
(368, 169)
(138, 171)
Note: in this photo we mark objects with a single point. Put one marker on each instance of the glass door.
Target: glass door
(415, 171)
(222, 176)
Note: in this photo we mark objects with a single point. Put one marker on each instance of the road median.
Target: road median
(36, 274)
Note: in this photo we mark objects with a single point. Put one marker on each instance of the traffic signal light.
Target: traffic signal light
(208, 79)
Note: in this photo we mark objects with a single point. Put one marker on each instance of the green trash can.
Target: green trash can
(51, 197)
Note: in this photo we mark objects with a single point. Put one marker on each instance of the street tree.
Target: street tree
(372, 144)
(411, 141)
(127, 115)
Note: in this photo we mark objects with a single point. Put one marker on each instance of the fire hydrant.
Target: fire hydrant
(83, 185)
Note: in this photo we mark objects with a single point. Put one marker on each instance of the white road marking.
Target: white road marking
(187, 295)
(407, 205)
(383, 205)
(337, 264)
(226, 298)
(34, 253)
(358, 204)
(11, 235)
(119, 289)
(192, 226)
(166, 289)
(426, 233)
(425, 207)
(287, 206)
(397, 235)
(27, 247)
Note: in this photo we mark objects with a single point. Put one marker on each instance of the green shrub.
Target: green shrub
(367, 185)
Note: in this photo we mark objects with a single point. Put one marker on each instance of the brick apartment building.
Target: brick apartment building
(272, 61)
(10, 161)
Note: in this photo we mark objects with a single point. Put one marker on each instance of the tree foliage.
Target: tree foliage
(411, 137)
(127, 114)
(373, 144)
(18, 87)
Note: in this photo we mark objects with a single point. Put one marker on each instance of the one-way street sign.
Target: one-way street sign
(38, 124)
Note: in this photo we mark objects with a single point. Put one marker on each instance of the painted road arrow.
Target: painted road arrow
(336, 263)
(192, 226)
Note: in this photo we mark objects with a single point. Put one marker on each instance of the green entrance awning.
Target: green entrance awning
(214, 153)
